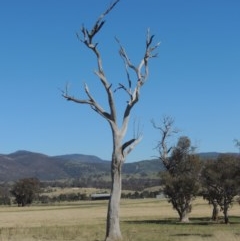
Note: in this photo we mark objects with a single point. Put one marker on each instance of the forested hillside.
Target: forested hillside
(23, 164)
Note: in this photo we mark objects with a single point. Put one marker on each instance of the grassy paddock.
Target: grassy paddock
(141, 220)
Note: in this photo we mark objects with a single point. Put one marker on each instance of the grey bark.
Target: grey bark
(184, 217)
(113, 231)
(183, 211)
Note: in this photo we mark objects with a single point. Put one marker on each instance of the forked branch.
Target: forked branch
(87, 37)
(128, 146)
(166, 130)
(141, 74)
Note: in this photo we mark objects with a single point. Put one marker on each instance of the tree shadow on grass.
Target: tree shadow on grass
(171, 221)
(193, 221)
(174, 222)
(192, 234)
(232, 220)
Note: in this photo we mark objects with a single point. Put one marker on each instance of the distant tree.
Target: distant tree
(136, 76)
(182, 168)
(221, 183)
(25, 191)
(4, 195)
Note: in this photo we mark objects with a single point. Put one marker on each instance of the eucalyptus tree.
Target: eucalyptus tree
(180, 179)
(220, 182)
(136, 76)
(25, 191)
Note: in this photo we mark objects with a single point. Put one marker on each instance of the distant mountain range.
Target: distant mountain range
(21, 164)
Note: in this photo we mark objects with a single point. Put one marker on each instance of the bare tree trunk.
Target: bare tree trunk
(215, 212)
(225, 213)
(113, 231)
(183, 212)
(184, 216)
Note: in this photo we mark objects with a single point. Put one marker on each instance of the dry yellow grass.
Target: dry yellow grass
(60, 215)
(141, 220)
(56, 191)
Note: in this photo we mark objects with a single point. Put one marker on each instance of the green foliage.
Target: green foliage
(181, 178)
(220, 181)
(69, 197)
(25, 190)
(139, 195)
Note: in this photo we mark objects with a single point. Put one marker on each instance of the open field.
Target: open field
(57, 191)
(141, 220)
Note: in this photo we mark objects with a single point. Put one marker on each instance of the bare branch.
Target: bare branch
(149, 53)
(128, 143)
(87, 38)
(91, 101)
(76, 100)
(136, 129)
(131, 145)
(88, 41)
(121, 86)
(141, 73)
(166, 130)
(237, 144)
(125, 58)
(89, 35)
(141, 78)
(137, 137)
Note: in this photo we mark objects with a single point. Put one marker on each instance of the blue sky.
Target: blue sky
(195, 79)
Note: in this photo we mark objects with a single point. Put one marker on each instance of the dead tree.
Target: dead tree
(166, 131)
(121, 148)
(237, 144)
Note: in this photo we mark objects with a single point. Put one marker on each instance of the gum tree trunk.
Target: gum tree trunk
(184, 217)
(183, 211)
(225, 213)
(113, 231)
(215, 212)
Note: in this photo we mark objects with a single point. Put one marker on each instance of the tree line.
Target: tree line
(26, 191)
